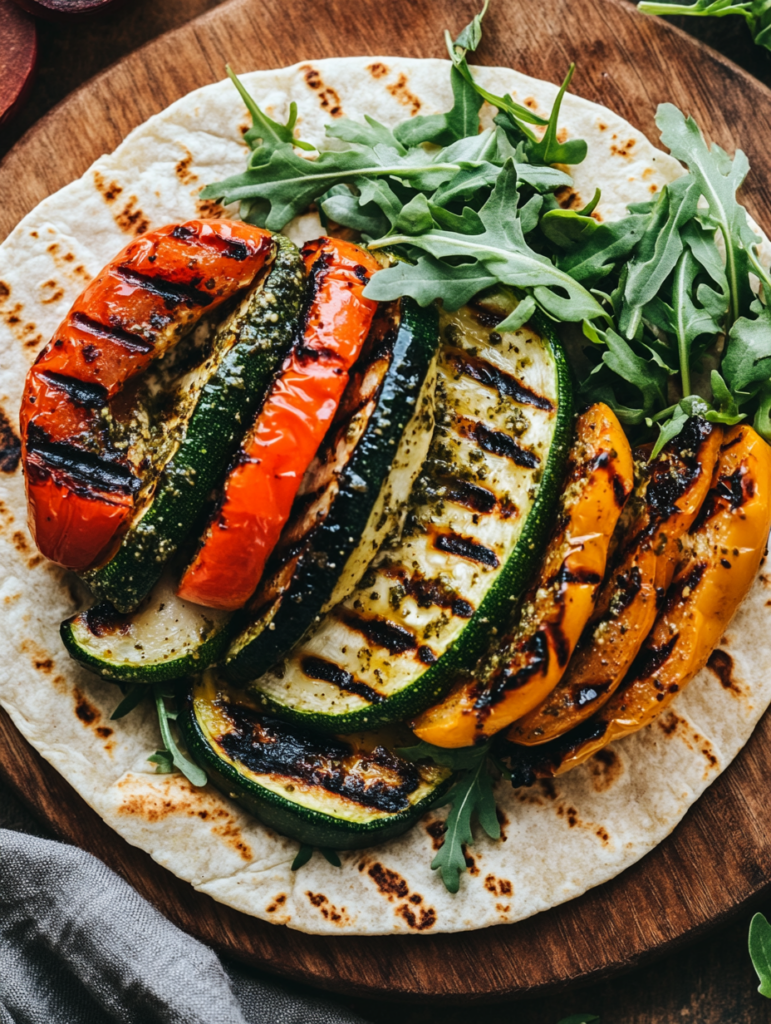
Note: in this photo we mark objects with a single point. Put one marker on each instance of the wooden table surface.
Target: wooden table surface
(710, 982)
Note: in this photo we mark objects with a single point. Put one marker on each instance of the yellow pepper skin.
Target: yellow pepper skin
(666, 502)
(722, 556)
(527, 664)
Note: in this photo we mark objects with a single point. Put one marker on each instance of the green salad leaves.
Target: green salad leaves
(757, 13)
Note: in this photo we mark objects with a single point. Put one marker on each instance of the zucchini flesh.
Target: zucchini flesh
(478, 517)
(353, 492)
(215, 403)
(165, 638)
(342, 793)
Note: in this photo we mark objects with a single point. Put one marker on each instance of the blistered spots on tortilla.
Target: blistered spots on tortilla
(45, 665)
(22, 545)
(391, 885)
(471, 864)
(669, 723)
(721, 664)
(23, 332)
(109, 192)
(436, 830)
(530, 103)
(131, 219)
(605, 769)
(5, 291)
(623, 149)
(653, 188)
(328, 97)
(569, 199)
(327, 910)
(570, 814)
(498, 886)
(602, 126)
(402, 94)
(419, 922)
(10, 446)
(182, 169)
(208, 208)
(170, 795)
(602, 834)
(51, 292)
(84, 709)
(276, 903)
(377, 70)
(103, 731)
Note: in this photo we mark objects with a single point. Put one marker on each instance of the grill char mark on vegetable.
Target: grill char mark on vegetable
(329, 672)
(173, 293)
(506, 384)
(111, 333)
(498, 442)
(527, 764)
(89, 396)
(428, 593)
(232, 248)
(380, 632)
(464, 547)
(265, 745)
(83, 468)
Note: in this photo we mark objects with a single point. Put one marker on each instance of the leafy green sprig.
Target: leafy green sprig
(471, 796)
(760, 952)
(757, 13)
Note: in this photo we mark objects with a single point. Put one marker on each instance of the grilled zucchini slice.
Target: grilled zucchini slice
(352, 494)
(326, 791)
(478, 517)
(215, 402)
(165, 638)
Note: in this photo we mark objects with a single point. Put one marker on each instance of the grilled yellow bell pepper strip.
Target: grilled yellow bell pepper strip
(724, 549)
(527, 664)
(667, 500)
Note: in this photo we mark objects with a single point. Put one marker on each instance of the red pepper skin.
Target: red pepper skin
(261, 487)
(81, 490)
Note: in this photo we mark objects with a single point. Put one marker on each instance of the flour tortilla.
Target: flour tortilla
(560, 839)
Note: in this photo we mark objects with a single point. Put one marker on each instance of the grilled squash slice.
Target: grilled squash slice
(342, 793)
(476, 522)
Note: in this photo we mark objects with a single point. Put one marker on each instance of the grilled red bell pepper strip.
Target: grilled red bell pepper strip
(261, 486)
(81, 487)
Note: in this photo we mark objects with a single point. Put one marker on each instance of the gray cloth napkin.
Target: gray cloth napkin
(79, 946)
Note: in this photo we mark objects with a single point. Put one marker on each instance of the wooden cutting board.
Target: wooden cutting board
(718, 860)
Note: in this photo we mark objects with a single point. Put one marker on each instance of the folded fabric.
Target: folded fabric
(79, 946)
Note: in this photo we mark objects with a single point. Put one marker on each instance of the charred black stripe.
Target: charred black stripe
(649, 661)
(110, 333)
(172, 292)
(265, 745)
(504, 383)
(464, 547)
(427, 593)
(232, 248)
(329, 672)
(496, 442)
(566, 575)
(479, 499)
(90, 396)
(536, 649)
(381, 632)
(82, 467)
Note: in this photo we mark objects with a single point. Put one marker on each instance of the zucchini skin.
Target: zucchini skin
(360, 484)
(495, 609)
(301, 823)
(227, 402)
(160, 672)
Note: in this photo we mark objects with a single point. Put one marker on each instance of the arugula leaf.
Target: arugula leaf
(567, 228)
(647, 376)
(602, 250)
(266, 133)
(162, 758)
(504, 253)
(760, 952)
(428, 278)
(718, 178)
(762, 421)
(747, 361)
(443, 129)
(304, 854)
(194, 774)
(133, 698)
(549, 150)
(457, 758)
(727, 410)
(472, 794)
(331, 856)
(757, 13)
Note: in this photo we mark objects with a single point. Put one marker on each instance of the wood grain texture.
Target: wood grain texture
(717, 861)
